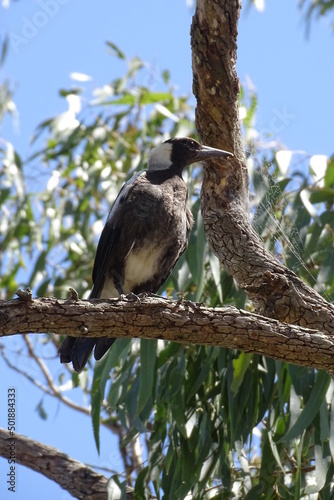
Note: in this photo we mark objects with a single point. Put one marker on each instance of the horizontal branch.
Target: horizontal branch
(75, 477)
(179, 321)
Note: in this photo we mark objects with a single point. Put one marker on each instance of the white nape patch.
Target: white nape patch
(160, 157)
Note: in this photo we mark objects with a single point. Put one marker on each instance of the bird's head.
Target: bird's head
(177, 153)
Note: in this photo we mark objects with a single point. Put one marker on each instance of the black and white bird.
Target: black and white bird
(146, 232)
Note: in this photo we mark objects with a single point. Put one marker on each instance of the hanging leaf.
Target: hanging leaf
(312, 407)
(148, 352)
(115, 51)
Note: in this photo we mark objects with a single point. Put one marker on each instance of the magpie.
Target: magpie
(146, 232)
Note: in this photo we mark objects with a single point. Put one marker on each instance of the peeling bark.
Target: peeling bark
(275, 290)
(153, 317)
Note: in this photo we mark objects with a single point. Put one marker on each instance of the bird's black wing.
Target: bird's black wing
(109, 239)
(79, 349)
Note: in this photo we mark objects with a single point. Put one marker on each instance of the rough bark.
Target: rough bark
(275, 291)
(78, 479)
(180, 321)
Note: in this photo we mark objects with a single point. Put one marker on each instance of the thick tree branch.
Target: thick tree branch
(78, 479)
(275, 291)
(179, 321)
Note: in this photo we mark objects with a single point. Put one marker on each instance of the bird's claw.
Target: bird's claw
(132, 297)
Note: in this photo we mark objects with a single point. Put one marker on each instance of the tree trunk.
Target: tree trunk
(275, 290)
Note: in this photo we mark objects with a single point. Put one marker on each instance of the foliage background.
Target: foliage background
(52, 207)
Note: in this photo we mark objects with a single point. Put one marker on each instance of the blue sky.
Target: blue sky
(293, 76)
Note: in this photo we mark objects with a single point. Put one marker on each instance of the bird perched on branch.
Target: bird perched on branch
(146, 232)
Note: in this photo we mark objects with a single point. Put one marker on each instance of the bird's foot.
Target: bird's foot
(132, 297)
(146, 295)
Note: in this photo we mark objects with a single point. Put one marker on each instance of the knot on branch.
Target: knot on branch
(24, 295)
(269, 284)
(3, 317)
(269, 295)
(73, 294)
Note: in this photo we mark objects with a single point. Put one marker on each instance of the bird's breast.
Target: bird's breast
(140, 266)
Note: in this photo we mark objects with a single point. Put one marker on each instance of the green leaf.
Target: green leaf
(168, 353)
(240, 366)
(114, 50)
(115, 489)
(148, 354)
(140, 492)
(101, 375)
(154, 97)
(4, 50)
(329, 175)
(210, 354)
(256, 492)
(40, 410)
(132, 406)
(178, 413)
(176, 479)
(127, 99)
(39, 267)
(326, 271)
(313, 241)
(75, 91)
(275, 451)
(166, 76)
(318, 195)
(200, 257)
(311, 409)
(324, 422)
(322, 462)
(134, 65)
(331, 434)
(119, 348)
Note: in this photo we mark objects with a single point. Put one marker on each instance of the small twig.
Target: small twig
(22, 372)
(73, 294)
(41, 365)
(47, 390)
(51, 389)
(24, 295)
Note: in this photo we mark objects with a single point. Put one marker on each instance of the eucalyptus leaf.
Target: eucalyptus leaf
(312, 407)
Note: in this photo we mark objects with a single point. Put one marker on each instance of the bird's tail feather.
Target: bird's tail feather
(76, 350)
(102, 345)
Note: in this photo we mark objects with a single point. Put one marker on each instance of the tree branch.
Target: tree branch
(75, 477)
(275, 290)
(178, 321)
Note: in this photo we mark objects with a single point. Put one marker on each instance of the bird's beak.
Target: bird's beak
(206, 152)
